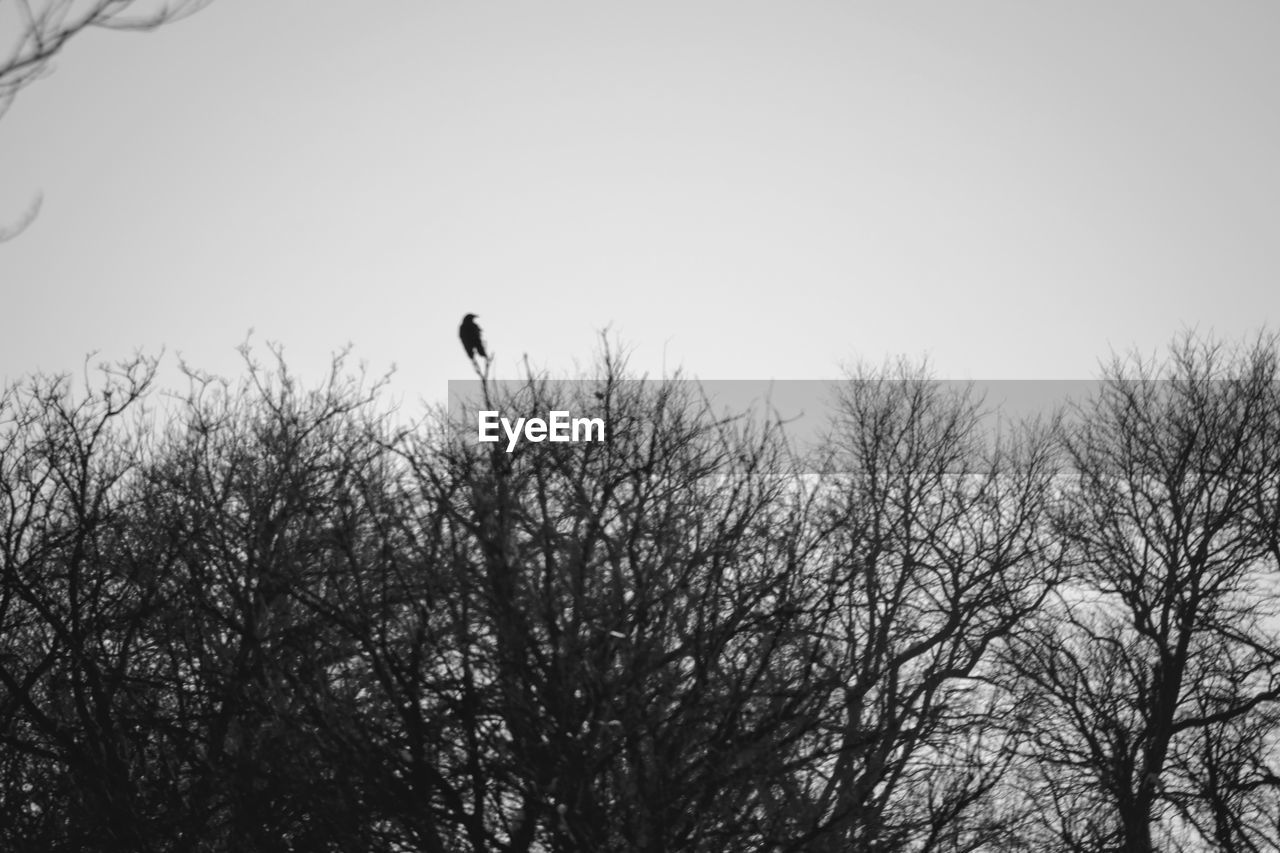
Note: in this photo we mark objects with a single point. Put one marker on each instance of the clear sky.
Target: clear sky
(741, 189)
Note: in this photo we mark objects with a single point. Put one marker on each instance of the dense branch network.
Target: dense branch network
(278, 620)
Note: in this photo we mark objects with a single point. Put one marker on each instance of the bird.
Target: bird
(470, 334)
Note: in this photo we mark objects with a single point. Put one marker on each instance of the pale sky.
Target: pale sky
(744, 190)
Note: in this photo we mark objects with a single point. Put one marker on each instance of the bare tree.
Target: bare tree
(934, 553)
(628, 668)
(1149, 689)
(260, 618)
(168, 680)
(74, 666)
(248, 497)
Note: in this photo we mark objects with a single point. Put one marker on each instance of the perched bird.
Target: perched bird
(470, 334)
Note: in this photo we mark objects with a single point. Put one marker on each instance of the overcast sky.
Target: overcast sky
(741, 189)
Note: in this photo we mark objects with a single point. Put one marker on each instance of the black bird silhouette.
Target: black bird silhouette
(470, 334)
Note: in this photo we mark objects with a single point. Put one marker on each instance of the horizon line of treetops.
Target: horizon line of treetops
(258, 616)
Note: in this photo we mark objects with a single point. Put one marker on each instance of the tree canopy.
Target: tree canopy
(263, 616)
